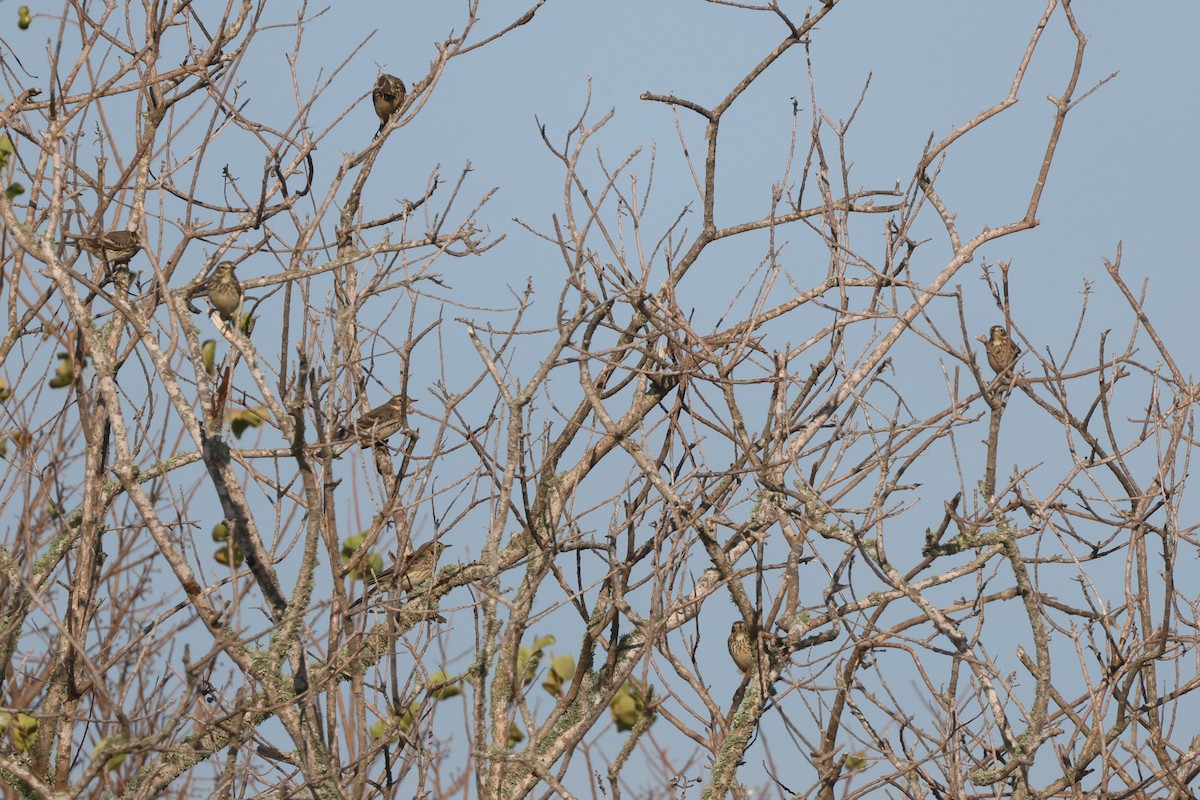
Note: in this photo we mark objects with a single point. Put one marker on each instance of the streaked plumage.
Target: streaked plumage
(387, 96)
(115, 247)
(415, 571)
(1002, 352)
(224, 291)
(739, 646)
(380, 422)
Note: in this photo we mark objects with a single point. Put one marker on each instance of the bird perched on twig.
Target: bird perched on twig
(223, 290)
(415, 571)
(1002, 351)
(387, 97)
(380, 422)
(114, 247)
(739, 646)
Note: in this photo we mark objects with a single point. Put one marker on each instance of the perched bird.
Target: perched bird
(1002, 352)
(115, 247)
(380, 422)
(417, 568)
(388, 96)
(415, 571)
(739, 646)
(224, 291)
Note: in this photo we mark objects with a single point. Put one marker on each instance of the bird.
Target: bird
(224, 291)
(417, 568)
(115, 247)
(415, 571)
(379, 423)
(387, 96)
(739, 646)
(1002, 352)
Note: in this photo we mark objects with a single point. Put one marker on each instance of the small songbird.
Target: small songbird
(115, 247)
(379, 423)
(388, 96)
(1002, 352)
(415, 571)
(739, 646)
(224, 291)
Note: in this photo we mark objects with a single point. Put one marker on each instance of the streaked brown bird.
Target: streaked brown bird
(387, 96)
(739, 646)
(224, 291)
(1002, 351)
(415, 571)
(115, 247)
(379, 423)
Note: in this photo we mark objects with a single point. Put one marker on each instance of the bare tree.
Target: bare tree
(437, 568)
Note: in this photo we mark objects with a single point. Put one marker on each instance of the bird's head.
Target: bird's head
(996, 335)
(389, 84)
(400, 402)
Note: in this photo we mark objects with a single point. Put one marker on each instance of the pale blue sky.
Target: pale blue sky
(1125, 159)
(1126, 154)
(934, 65)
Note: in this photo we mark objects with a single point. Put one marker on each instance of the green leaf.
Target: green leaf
(368, 568)
(627, 707)
(23, 731)
(227, 555)
(527, 664)
(442, 686)
(378, 729)
(515, 735)
(111, 742)
(65, 372)
(562, 669)
(528, 658)
(350, 546)
(246, 418)
(208, 352)
(410, 715)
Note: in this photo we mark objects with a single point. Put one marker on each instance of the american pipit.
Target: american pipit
(380, 422)
(415, 571)
(224, 291)
(387, 96)
(1002, 352)
(739, 646)
(115, 247)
